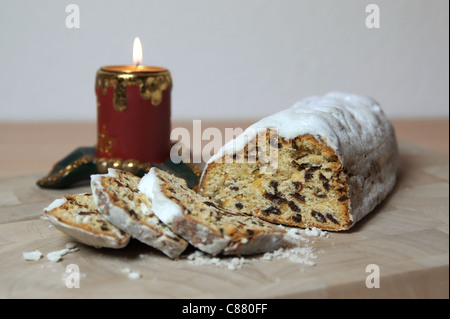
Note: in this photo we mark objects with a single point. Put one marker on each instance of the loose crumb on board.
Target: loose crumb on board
(132, 274)
(54, 256)
(295, 247)
(32, 255)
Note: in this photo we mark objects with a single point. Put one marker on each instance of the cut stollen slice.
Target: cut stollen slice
(203, 223)
(77, 216)
(123, 205)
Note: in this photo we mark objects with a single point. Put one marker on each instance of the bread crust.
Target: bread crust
(64, 214)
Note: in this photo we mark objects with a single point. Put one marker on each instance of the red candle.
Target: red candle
(133, 111)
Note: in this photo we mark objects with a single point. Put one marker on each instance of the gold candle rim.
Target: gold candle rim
(131, 69)
(151, 80)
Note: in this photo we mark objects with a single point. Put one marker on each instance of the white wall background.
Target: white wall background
(228, 58)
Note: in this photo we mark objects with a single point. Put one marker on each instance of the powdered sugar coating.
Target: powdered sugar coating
(56, 203)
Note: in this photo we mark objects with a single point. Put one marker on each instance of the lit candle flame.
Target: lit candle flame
(137, 51)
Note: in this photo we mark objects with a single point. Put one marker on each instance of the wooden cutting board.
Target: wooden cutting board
(406, 238)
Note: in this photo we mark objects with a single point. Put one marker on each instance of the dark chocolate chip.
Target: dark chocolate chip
(300, 167)
(239, 205)
(133, 214)
(297, 218)
(211, 204)
(271, 210)
(293, 207)
(342, 199)
(318, 216)
(274, 185)
(298, 186)
(320, 195)
(299, 197)
(312, 169)
(332, 219)
(115, 197)
(85, 213)
(274, 198)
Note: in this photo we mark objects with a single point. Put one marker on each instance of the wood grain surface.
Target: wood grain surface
(407, 237)
(30, 148)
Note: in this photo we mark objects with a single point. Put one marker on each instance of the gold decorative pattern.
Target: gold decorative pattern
(80, 164)
(102, 165)
(151, 85)
(105, 142)
(65, 171)
(130, 165)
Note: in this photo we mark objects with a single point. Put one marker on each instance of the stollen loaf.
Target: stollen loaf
(325, 162)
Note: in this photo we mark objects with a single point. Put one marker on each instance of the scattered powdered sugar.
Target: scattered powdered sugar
(295, 247)
(314, 232)
(298, 255)
(132, 274)
(200, 258)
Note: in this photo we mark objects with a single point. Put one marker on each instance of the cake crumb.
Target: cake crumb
(132, 274)
(56, 256)
(71, 245)
(32, 255)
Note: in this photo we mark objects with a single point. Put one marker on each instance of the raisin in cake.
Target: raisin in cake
(203, 223)
(77, 216)
(119, 200)
(326, 162)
